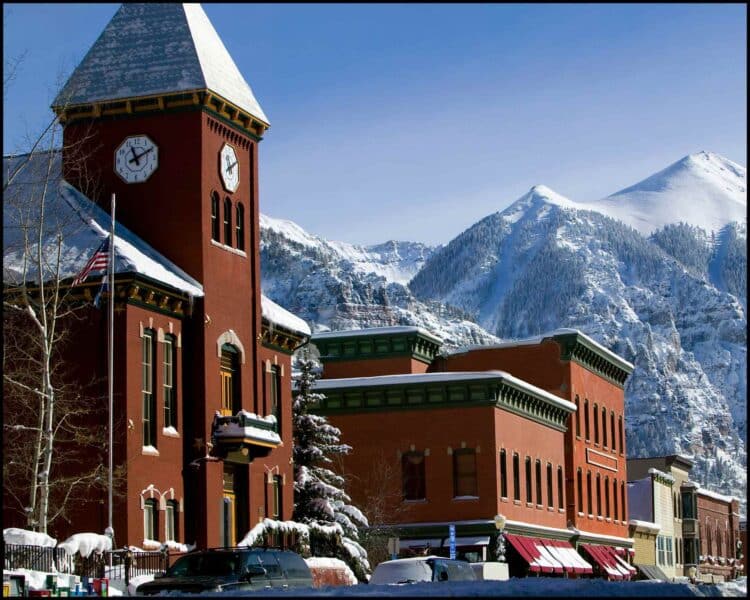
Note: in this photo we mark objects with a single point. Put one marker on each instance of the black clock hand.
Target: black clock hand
(231, 167)
(135, 158)
(141, 155)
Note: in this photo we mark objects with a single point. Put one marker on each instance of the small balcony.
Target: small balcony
(244, 437)
(689, 527)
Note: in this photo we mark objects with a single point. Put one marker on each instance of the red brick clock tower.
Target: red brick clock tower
(158, 114)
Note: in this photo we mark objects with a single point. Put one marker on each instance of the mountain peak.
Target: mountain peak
(547, 194)
(703, 189)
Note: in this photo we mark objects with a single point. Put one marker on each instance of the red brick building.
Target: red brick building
(719, 533)
(484, 433)
(202, 397)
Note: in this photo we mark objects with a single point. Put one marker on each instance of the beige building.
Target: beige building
(685, 534)
(644, 542)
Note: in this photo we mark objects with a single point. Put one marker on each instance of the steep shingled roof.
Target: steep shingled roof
(152, 49)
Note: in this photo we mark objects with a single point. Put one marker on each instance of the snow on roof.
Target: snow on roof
(281, 316)
(149, 49)
(369, 331)
(628, 542)
(647, 525)
(86, 543)
(83, 226)
(716, 495)
(443, 377)
(23, 537)
(662, 474)
(532, 341)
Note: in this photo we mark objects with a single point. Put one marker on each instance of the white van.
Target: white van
(420, 569)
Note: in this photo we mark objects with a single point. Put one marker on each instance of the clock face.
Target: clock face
(229, 167)
(136, 158)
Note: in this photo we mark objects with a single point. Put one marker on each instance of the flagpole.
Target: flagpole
(110, 529)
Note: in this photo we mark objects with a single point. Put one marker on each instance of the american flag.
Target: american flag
(98, 262)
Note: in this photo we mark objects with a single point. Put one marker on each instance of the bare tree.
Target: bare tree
(48, 442)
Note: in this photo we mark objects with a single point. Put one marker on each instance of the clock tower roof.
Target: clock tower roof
(156, 49)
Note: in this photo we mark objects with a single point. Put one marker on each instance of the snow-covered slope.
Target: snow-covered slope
(702, 189)
(334, 285)
(544, 263)
(396, 261)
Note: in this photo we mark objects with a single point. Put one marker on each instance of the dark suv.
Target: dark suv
(227, 569)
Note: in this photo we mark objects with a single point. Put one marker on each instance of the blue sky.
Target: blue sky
(413, 121)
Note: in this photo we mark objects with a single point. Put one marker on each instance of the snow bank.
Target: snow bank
(321, 565)
(23, 537)
(86, 543)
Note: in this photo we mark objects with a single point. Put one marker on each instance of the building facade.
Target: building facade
(161, 118)
(482, 434)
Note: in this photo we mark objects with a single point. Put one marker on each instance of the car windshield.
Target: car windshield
(213, 563)
(401, 572)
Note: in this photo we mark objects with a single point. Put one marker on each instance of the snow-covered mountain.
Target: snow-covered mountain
(334, 285)
(670, 297)
(702, 189)
(544, 263)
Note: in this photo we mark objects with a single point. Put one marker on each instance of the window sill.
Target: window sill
(539, 506)
(465, 498)
(503, 499)
(562, 510)
(229, 248)
(420, 501)
(149, 451)
(600, 518)
(170, 432)
(517, 502)
(580, 514)
(608, 520)
(529, 505)
(550, 509)
(589, 516)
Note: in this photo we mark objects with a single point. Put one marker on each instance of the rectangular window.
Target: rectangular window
(586, 419)
(620, 437)
(560, 489)
(240, 226)
(529, 498)
(604, 427)
(598, 495)
(276, 395)
(612, 429)
(169, 377)
(464, 472)
(614, 498)
(596, 424)
(413, 476)
(147, 389)
(589, 496)
(606, 498)
(503, 474)
(516, 477)
(550, 499)
(538, 481)
(276, 501)
(227, 222)
(580, 491)
(172, 511)
(578, 417)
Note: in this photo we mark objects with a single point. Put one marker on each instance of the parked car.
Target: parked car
(421, 569)
(228, 569)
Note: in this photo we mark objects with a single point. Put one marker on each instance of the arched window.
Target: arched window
(596, 423)
(606, 498)
(612, 429)
(230, 381)
(578, 417)
(215, 235)
(538, 482)
(171, 514)
(240, 226)
(624, 512)
(150, 519)
(586, 419)
(579, 481)
(560, 489)
(412, 476)
(604, 427)
(598, 495)
(621, 438)
(589, 496)
(227, 221)
(516, 477)
(614, 499)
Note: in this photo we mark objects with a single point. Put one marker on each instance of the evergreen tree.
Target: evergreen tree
(319, 497)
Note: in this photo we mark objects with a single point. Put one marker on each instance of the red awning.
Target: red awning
(547, 557)
(567, 556)
(519, 543)
(604, 560)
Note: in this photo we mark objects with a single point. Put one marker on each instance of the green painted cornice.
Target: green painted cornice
(493, 391)
(580, 349)
(372, 345)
